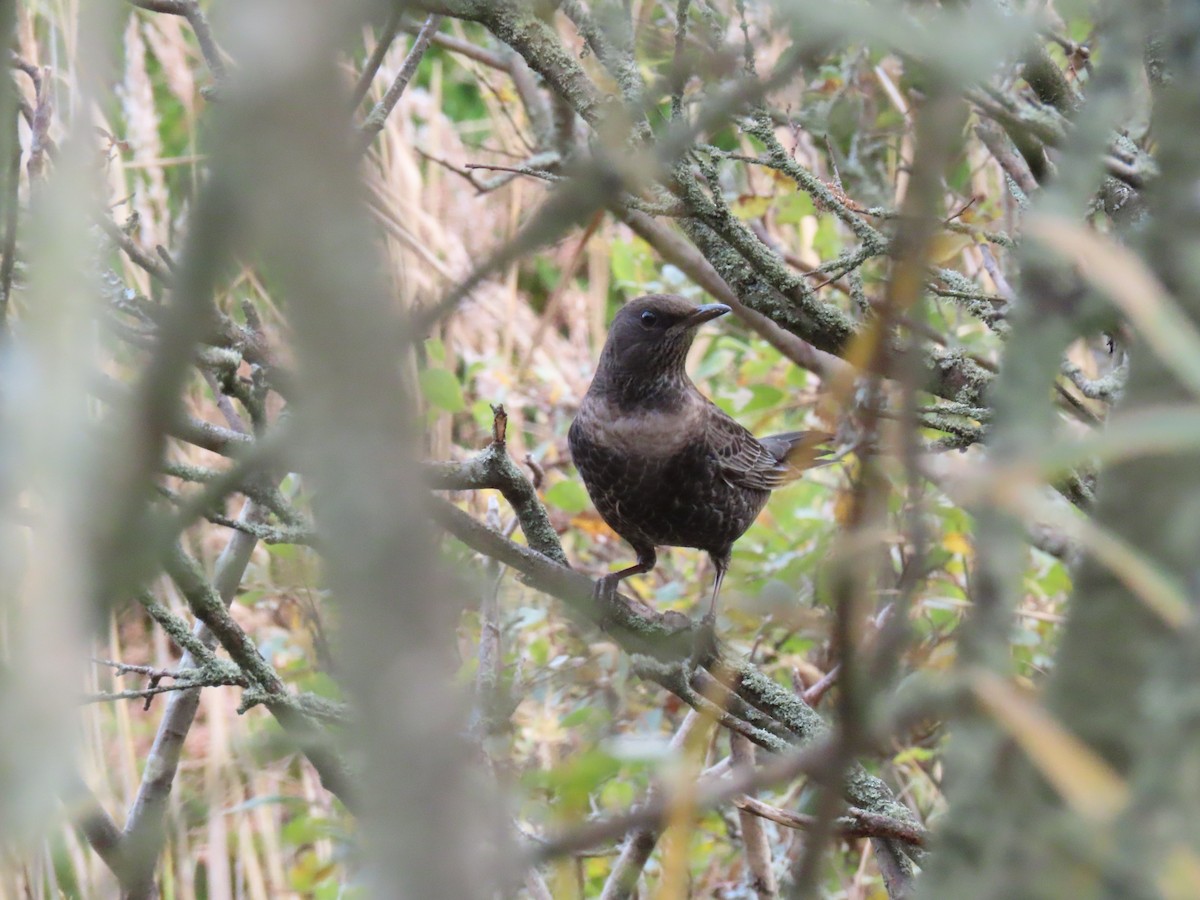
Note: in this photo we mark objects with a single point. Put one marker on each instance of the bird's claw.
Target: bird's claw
(704, 648)
(604, 594)
(603, 590)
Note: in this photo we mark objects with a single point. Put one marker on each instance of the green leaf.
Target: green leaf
(481, 412)
(763, 396)
(442, 389)
(568, 496)
(538, 651)
(584, 773)
(249, 598)
(790, 209)
(435, 350)
(583, 716)
(827, 241)
(617, 795)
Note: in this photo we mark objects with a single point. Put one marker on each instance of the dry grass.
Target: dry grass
(245, 820)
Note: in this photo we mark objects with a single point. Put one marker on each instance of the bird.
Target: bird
(663, 464)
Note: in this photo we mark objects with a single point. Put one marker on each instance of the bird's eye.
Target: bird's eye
(649, 318)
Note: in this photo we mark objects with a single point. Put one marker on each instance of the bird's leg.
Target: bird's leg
(606, 587)
(705, 648)
(720, 563)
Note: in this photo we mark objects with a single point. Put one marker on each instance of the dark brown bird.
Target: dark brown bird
(664, 465)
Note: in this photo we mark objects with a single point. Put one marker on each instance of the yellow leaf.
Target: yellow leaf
(943, 658)
(956, 542)
(590, 523)
(749, 206)
(946, 245)
(843, 506)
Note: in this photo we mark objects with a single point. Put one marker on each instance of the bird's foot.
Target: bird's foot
(604, 594)
(604, 590)
(704, 647)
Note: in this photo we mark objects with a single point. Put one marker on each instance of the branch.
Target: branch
(459, 46)
(142, 838)
(754, 840)
(857, 823)
(139, 257)
(692, 263)
(210, 607)
(98, 827)
(146, 693)
(1011, 162)
(1108, 387)
(622, 880)
(664, 636)
(390, 30)
(713, 792)
(378, 116)
(494, 468)
(143, 827)
(667, 643)
(190, 10)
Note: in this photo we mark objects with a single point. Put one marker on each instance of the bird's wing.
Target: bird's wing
(745, 461)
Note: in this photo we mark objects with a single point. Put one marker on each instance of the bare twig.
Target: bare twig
(621, 883)
(457, 45)
(814, 695)
(375, 120)
(855, 824)
(1014, 166)
(43, 113)
(494, 468)
(9, 247)
(754, 840)
(140, 257)
(680, 253)
(390, 29)
(154, 689)
(190, 10)
(149, 671)
(707, 795)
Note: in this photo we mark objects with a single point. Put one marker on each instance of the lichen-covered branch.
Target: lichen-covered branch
(668, 641)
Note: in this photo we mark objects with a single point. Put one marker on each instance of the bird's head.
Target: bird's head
(648, 343)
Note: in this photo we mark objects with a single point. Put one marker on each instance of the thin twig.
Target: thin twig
(459, 46)
(754, 839)
(390, 30)
(813, 695)
(375, 120)
(856, 823)
(9, 248)
(190, 10)
(622, 880)
(136, 254)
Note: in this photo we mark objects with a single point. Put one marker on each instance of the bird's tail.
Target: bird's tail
(798, 451)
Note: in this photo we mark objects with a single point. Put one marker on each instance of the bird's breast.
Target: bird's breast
(646, 433)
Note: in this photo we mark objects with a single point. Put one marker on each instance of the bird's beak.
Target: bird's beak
(700, 315)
